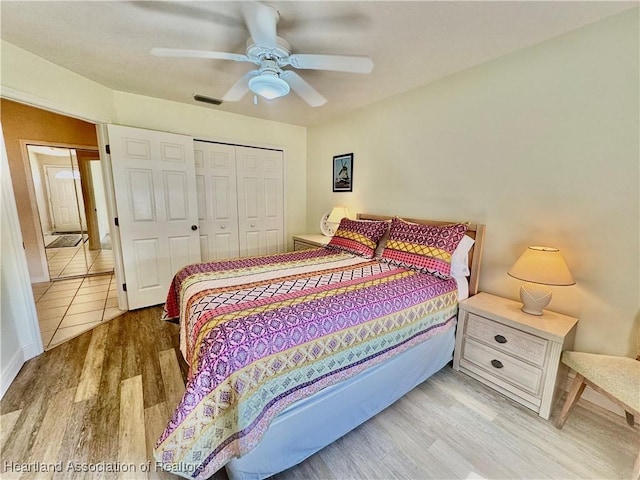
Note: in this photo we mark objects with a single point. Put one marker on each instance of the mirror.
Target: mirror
(69, 193)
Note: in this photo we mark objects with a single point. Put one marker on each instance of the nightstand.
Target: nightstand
(303, 242)
(513, 352)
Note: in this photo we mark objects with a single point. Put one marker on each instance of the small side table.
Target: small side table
(304, 242)
(513, 352)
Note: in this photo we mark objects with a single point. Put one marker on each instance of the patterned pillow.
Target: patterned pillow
(359, 237)
(427, 248)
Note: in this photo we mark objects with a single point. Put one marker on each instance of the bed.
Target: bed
(289, 352)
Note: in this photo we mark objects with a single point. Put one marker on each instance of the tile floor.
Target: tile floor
(67, 308)
(70, 261)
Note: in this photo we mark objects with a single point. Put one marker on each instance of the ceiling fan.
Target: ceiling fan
(272, 54)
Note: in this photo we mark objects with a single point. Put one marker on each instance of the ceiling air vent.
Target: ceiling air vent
(203, 99)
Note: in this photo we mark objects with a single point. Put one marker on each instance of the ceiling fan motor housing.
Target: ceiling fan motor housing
(280, 53)
(268, 83)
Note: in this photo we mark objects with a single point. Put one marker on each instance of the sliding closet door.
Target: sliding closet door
(217, 200)
(260, 200)
(155, 185)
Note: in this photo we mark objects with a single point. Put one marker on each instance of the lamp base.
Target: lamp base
(534, 298)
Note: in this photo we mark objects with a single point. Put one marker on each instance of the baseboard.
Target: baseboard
(10, 371)
(594, 397)
(32, 350)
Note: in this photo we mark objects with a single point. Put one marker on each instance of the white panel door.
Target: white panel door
(155, 185)
(260, 200)
(63, 184)
(217, 200)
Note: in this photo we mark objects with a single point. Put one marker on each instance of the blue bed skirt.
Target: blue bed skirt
(313, 423)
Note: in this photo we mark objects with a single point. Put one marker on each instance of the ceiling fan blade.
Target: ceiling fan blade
(240, 88)
(336, 63)
(183, 53)
(261, 21)
(303, 88)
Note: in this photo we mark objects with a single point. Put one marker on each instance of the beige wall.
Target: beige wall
(541, 146)
(38, 82)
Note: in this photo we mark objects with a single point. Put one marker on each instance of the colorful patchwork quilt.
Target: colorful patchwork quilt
(260, 333)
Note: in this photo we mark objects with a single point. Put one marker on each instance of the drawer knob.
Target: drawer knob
(500, 339)
(497, 363)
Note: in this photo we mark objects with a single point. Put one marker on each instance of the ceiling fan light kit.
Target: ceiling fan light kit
(272, 53)
(269, 86)
(268, 83)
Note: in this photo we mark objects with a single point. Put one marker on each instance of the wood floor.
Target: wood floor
(99, 402)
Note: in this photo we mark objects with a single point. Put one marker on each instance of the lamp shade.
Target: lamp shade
(543, 265)
(269, 86)
(337, 214)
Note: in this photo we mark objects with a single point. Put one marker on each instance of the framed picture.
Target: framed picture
(343, 173)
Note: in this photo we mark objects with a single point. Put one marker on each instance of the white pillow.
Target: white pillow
(459, 257)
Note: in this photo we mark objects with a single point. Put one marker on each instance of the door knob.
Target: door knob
(222, 227)
(253, 225)
(194, 227)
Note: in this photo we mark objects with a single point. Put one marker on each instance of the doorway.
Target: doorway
(70, 305)
(72, 208)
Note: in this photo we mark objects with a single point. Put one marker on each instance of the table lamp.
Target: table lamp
(540, 267)
(330, 221)
(337, 214)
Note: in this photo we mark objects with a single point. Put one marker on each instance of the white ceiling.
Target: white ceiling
(411, 44)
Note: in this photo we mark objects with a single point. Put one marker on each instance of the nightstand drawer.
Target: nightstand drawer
(498, 366)
(500, 337)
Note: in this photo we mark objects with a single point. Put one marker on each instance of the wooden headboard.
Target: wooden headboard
(475, 231)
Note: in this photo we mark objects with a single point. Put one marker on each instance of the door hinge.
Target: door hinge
(115, 220)
(124, 287)
(108, 148)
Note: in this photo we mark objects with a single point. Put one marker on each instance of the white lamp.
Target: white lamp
(330, 220)
(337, 214)
(268, 86)
(539, 267)
(268, 83)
